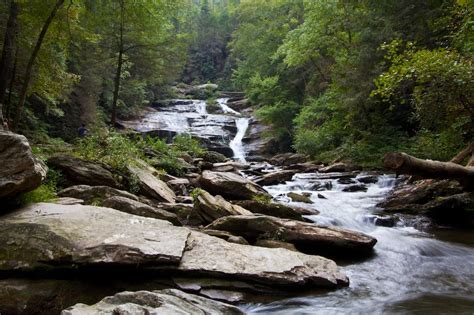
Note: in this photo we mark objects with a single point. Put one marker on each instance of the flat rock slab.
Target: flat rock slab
(307, 237)
(230, 185)
(169, 301)
(207, 255)
(42, 235)
(150, 185)
(92, 194)
(276, 177)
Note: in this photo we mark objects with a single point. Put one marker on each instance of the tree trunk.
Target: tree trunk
(461, 156)
(403, 163)
(10, 88)
(6, 61)
(118, 74)
(31, 61)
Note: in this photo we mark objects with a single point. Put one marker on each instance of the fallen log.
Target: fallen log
(403, 163)
(461, 156)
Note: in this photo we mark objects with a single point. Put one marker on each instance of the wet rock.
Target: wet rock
(137, 208)
(170, 301)
(346, 181)
(454, 210)
(387, 221)
(94, 194)
(307, 167)
(275, 244)
(339, 167)
(368, 179)
(321, 196)
(230, 185)
(78, 171)
(47, 236)
(211, 208)
(299, 197)
(275, 177)
(355, 188)
(286, 159)
(67, 201)
(150, 185)
(307, 237)
(20, 171)
(274, 209)
(259, 147)
(279, 267)
(229, 166)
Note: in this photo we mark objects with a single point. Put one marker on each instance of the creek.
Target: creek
(411, 271)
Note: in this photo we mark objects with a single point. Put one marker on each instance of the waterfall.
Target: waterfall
(236, 143)
(226, 109)
(201, 107)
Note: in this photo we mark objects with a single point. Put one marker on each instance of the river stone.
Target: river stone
(20, 171)
(230, 185)
(275, 177)
(211, 208)
(355, 188)
(79, 171)
(150, 185)
(275, 244)
(275, 209)
(339, 167)
(207, 255)
(136, 207)
(307, 237)
(45, 236)
(286, 159)
(94, 194)
(170, 301)
(299, 197)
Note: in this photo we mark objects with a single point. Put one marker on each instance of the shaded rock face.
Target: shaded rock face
(78, 171)
(213, 157)
(169, 301)
(150, 185)
(230, 185)
(211, 208)
(92, 194)
(138, 208)
(273, 209)
(307, 237)
(44, 237)
(355, 188)
(275, 177)
(257, 146)
(20, 171)
(339, 167)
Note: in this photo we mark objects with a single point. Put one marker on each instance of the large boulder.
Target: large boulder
(150, 185)
(20, 171)
(136, 207)
(274, 209)
(307, 237)
(275, 177)
(79, 171)
(94, 194)
(170, 301)
(339, 167)
(213, 157)
(45, 237)
(230, 185)
(211, 208)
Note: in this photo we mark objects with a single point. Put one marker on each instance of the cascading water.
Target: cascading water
(226, 109)
(411, 272)
(236, 143)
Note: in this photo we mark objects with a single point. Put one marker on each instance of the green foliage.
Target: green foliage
(265, 199)
(196, 192)
(280, 115)
(45, 192)
(186, 143)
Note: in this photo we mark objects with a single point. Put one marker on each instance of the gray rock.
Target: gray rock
(45, 236)
(286, 159)
(355, 188)
(307, 237)
(20, 171)
(150, 185)
(170, 301)
(225, 236)
(213, 157)
(79, 171)
(339, 167)
(211, 208)
(275, 177)
(230, 185)
(275, 244)
(135, 207)
(207, 255)
(274, 209)
(94, 194)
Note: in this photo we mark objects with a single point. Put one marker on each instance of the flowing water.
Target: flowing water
(411, 272)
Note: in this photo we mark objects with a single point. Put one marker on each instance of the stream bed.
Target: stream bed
(410, 272)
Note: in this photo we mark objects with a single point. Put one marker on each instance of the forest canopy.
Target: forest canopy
(334, 78)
